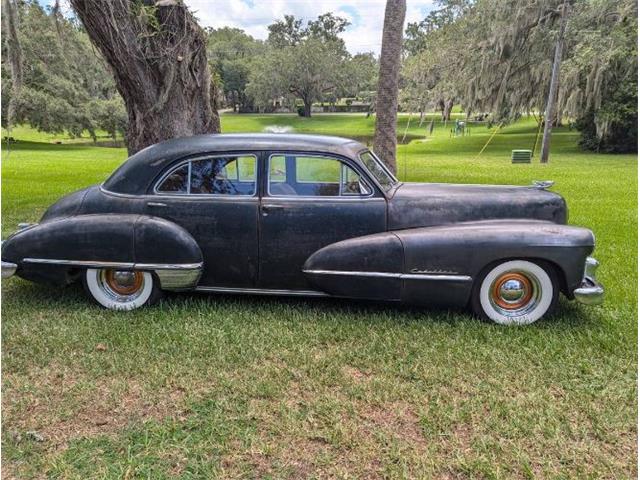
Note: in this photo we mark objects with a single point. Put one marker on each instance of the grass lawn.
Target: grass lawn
(229, 386)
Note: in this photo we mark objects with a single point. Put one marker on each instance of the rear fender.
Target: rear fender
(53, 251)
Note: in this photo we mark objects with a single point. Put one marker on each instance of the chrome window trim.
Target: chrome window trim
(307, 197)
(345, 198)
(188, 161)
(401, 276)
(239, 198)
(395, 183)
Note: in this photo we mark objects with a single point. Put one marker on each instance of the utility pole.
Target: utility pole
(553, 88)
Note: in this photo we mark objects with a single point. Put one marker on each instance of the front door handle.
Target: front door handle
(266, 209)
(156, 204)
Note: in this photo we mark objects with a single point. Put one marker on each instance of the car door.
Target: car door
(215, 198)
(310, 201)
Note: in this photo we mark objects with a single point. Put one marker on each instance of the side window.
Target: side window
(177, 181)
(277, 169)
(300, 175)
(228, 175)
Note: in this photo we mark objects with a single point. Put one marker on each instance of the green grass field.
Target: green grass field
(237, 387)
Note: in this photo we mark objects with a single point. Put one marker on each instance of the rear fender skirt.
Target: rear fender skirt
(54, 250)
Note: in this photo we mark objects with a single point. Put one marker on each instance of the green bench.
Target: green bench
(520, 156)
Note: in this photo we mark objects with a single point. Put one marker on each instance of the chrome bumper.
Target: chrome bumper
(590, 292)
(8, 269)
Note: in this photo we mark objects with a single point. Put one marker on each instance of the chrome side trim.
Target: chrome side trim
(172, 276)
(263, 291)
(178, 279)
(79, 263)
(401, 276)
(103, 264)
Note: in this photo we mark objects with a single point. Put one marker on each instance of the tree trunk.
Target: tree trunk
(307, 108)
(440, 106)
(385, 138)
(157, 53)
(14, 51)
(550, 111)
(446, 110)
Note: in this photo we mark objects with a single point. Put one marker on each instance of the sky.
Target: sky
(363, 35)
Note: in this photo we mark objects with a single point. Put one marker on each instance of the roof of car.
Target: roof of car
(134, 175)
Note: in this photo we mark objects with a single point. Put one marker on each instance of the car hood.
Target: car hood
(427, 204)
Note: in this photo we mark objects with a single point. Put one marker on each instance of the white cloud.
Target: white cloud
(253, 16)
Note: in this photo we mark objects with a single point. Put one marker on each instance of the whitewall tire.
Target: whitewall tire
(121, 289)
(515, 292)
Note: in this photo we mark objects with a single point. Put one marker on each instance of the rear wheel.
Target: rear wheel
(121, 289)
(516, 292)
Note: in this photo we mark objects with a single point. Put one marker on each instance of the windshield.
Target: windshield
(378, 170)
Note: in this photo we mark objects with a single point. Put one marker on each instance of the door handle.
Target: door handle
(156, 204)
(266, 209)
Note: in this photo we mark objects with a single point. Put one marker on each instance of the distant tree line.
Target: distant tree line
(495, 57)
(492, 57)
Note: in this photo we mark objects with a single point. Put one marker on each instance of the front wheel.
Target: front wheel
(121, 289)
(516, 292)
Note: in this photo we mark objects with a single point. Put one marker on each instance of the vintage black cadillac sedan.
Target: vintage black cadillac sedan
(306, 215)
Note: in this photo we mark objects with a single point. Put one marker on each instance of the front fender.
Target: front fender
(437, 265)
(467, 248)
(54, 250)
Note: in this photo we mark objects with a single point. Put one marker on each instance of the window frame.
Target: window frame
(343, 161)
(187, 161)
(384, 167)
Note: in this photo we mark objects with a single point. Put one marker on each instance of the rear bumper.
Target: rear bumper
(590, 291)
(8, 269)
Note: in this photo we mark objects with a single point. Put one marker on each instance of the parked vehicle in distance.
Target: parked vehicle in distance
(306, 215)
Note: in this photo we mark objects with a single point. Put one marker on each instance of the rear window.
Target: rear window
(227, 175)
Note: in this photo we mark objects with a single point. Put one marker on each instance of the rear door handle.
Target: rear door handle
(266, 209)
(156, 204)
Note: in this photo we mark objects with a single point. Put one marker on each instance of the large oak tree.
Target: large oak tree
(157, 52)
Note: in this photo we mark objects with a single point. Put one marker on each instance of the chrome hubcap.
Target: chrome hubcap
(121, 285)
(515, 293)
(124, 279)
(512, 290)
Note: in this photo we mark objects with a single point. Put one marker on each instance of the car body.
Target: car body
(305, 215)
